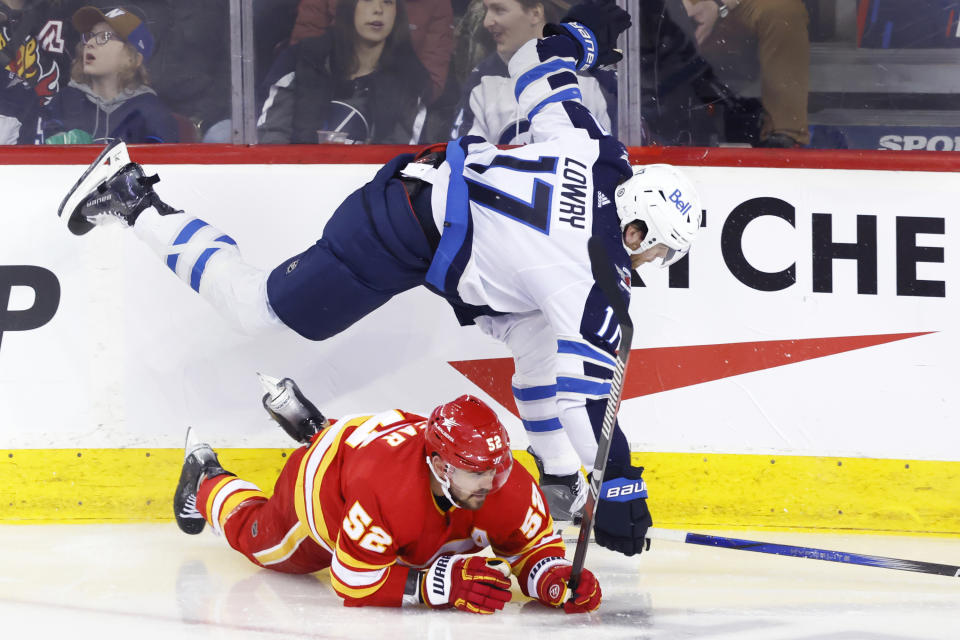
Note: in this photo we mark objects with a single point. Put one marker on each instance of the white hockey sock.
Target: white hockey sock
(537, 406)
(209, 261)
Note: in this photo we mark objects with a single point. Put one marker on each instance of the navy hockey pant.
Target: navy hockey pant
(372, 248)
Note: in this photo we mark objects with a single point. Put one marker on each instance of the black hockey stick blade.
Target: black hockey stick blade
(609, 282)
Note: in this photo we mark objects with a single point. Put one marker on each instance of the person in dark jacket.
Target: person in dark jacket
(360, 82)
(33, 63)
(190, 62)
(109, 94)
(431, 32)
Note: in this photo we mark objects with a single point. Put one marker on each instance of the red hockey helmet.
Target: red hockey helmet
(467, 435)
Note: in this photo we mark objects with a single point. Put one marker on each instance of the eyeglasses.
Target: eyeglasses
(102, 37)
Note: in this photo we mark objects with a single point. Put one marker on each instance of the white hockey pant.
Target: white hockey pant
(558, 427)
(209, 261)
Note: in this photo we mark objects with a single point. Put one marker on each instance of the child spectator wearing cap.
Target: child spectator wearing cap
(109, 94)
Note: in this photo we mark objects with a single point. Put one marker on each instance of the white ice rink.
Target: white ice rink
(144, 581)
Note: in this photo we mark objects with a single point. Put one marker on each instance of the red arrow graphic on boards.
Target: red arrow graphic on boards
(664, 368)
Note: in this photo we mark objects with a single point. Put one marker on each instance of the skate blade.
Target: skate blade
(111, 159)
(191, 443)
(270, 384)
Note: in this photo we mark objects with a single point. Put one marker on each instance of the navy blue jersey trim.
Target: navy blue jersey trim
(581, 118)
(558, 80)
(543, 164)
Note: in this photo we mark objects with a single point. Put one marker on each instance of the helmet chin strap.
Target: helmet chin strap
(444, 483)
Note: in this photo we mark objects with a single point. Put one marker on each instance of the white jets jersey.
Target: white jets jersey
(538, 203)
(515, 226)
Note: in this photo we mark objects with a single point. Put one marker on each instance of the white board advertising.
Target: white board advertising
(814, 316)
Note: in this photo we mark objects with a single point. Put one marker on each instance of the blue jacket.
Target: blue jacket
(134, 116)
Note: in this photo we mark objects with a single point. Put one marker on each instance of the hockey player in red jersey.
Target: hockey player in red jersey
(395, 505)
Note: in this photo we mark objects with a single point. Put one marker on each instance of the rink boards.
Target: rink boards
(797, 371)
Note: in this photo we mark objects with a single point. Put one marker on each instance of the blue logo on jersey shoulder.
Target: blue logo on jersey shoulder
(623, 490)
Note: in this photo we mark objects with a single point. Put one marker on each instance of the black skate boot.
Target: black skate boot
(292, 411)
(199, 462)
(565, 495)
(112, 188)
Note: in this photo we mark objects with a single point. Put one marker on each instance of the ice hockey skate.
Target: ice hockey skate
(199, 462)
(565, 495)
(112, 188)
(283, 400)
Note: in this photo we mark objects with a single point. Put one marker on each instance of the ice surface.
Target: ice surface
(150, 581)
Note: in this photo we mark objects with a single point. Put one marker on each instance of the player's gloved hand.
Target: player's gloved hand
(469, 583)
(552, 590)
(595, 25)
(622, 513)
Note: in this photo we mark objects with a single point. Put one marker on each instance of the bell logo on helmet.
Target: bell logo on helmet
(677, 198)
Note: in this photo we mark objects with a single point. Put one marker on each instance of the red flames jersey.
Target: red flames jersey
(363, 491)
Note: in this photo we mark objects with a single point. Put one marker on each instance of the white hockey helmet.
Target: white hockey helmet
(663, 199)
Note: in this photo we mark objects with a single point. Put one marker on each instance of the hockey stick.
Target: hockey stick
(844, 557)
(609, 283)
(804, 552)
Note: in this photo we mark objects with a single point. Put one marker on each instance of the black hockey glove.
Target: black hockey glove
(622, 514)
(595, 25)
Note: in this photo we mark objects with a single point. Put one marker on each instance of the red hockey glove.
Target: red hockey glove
(469, 583)
(552, 590)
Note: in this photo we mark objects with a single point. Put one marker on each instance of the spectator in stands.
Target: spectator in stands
(33, 64)
(779, 30)
(359, 82)
(109, 94)
(430, 23)
(488, 107)
(190, 63)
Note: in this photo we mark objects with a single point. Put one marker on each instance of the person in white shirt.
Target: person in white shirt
(489, 108)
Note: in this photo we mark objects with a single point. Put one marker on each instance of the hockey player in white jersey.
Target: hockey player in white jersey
(502, 235)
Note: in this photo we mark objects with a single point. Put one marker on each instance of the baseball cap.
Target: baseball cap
(127, 25)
